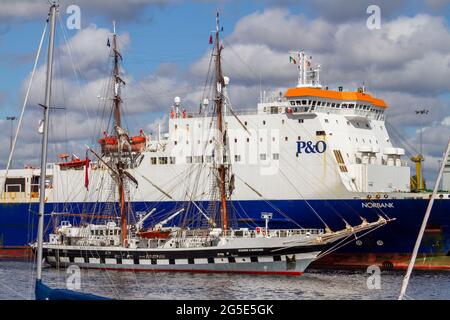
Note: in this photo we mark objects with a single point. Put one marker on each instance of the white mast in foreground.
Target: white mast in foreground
(422, 228)
(46, 106)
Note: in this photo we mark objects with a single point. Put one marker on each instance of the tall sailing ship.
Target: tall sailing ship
(310, 156)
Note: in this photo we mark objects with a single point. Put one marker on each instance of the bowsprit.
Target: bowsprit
(311, 147)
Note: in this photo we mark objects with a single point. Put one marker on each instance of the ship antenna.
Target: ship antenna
(117, 125)
(218, 88)
(44, 145)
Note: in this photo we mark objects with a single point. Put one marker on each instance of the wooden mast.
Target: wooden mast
(117, 125)
(220, 83)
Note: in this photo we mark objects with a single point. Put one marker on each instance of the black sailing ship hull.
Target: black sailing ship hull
(279, 261)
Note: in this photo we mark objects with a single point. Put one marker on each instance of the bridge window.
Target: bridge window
(304, 102)
(15, 185)
(320, 133)
(298, 102)
(292, 103)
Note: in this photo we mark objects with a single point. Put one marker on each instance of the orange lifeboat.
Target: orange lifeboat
(138, 143)
(75, 163)
(109, 144)
(154, 234)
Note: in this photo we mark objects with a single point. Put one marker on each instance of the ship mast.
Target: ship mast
(44, 145)
(117, 126)
(220, 84)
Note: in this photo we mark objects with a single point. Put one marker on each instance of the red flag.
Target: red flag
(86, 174)
(210, 39)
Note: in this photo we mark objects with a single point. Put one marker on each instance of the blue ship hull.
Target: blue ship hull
(18, 223)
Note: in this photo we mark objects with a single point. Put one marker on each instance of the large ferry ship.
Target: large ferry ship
(309, 155)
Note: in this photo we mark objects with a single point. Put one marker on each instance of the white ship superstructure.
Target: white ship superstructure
(309, 142)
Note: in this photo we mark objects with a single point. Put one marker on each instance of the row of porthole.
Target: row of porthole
(379, 243)
(377, 196)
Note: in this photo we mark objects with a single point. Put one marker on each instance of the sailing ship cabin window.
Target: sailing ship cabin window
(237, 158)
(276, 156)
(153, 160)
(163, 160)
(301, 120)
(263, 156)
(15, 185)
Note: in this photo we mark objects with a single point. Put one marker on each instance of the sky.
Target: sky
(165, 45)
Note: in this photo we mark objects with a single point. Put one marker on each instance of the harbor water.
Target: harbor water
(17, 282)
